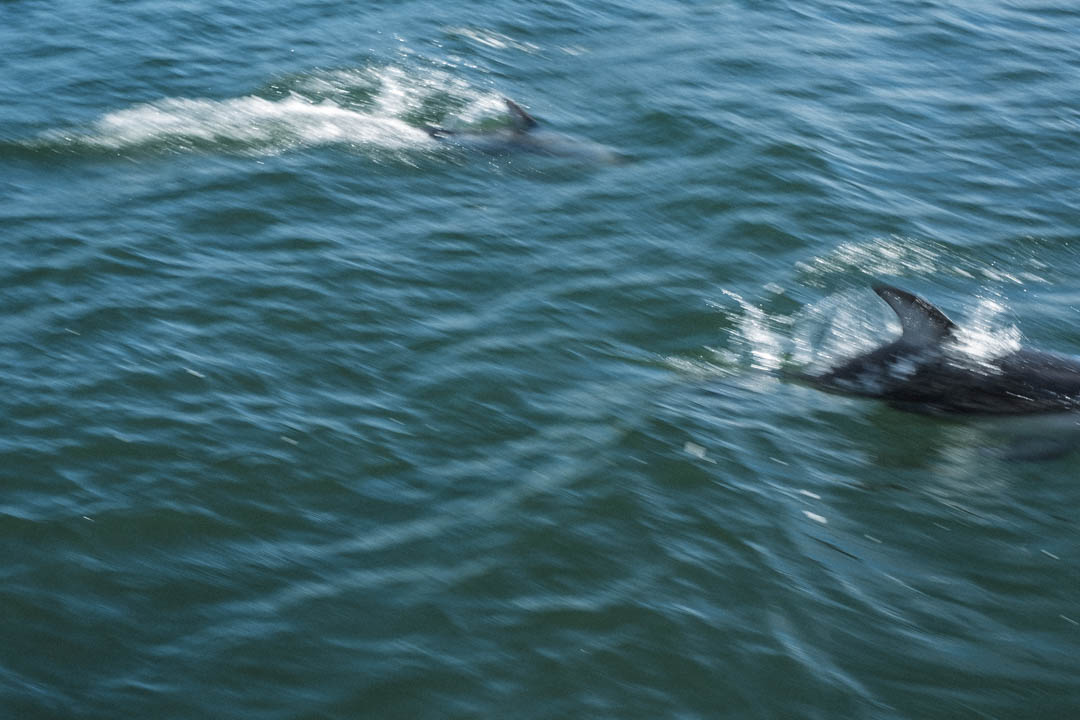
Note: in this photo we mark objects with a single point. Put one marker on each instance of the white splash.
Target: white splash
(983, 337)
(252, 122)
(361, 108)
(839, 327)
(766, 346)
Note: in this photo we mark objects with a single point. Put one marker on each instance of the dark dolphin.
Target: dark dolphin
(1033, 396)
(523, 134)
(923, 371)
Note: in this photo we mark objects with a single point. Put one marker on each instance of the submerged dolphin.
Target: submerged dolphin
(923, 371)
(524, 134)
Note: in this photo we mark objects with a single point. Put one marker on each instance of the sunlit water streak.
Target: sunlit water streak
(307, 414)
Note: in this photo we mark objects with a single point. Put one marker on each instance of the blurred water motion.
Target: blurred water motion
(308, 414)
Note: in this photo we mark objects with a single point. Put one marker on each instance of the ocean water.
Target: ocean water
(307, 414)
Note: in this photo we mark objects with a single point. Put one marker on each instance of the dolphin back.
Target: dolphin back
(922, 372)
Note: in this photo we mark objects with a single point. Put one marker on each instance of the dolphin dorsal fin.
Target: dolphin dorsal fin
(521, 120)
(922, 323)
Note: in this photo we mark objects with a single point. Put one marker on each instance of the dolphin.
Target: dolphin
(525, 135)
(924, 370)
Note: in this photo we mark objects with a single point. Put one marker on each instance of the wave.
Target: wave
(365, 110)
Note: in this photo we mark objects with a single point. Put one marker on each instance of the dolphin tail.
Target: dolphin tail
(522, 120)
(922, 323)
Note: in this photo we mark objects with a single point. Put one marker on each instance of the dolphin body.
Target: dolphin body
(922, 371)
(523, 134)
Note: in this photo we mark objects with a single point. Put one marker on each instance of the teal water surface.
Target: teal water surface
(307, 414)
